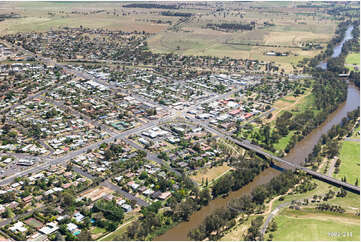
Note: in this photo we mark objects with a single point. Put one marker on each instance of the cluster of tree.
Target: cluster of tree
(342, 12)
(175, 14)
(8, 16)
(331, 208)
(109, 209)
(222, 219)
(231, 26)
(247, 170)
(179, 207)
(113, 151)
(307, 185)
(151, 5)
(153, 220)
(328, 90)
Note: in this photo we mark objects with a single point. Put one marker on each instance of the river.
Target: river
(296, 155)
(338, 48)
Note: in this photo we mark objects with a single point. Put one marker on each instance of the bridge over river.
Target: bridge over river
(247, 145)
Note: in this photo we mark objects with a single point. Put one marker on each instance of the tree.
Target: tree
(259, 194)
(273, 226)
(185, 209)
(68, 199)
(204, 196)
(69, 166)
(9, 213)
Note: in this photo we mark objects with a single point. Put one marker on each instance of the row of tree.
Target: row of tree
(222, 219)
(231, 26)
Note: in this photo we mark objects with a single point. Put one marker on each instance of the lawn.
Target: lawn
(350, 162)
(98, 230)
(313, 225)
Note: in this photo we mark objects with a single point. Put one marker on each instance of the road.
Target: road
(111, 186)
(271, 215)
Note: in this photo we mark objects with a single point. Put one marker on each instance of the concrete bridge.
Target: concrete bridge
(328, 179)
(247, 145)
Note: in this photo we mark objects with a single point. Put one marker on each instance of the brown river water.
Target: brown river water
(296, 155)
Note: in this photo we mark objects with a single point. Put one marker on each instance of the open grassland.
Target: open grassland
(316, 226)
(210, 173)
(353, 58)
(352, 61)
(350, 162)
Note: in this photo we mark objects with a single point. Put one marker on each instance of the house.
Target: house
(78, 217)
(164, 195)
(13, 205)
(19, 226)
(108, 197)
(28, 199)
(72, 227)
(120, 202)
(156, 195)
(49, 228)
(148, 192)
(2, 209)
(127, 208)
(142, 189)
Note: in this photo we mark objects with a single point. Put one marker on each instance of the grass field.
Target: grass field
(210, 173)
(314, 225)
(283, 142)
(350, 161)
(352, 60)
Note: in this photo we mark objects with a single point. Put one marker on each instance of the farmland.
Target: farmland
(289, 31)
